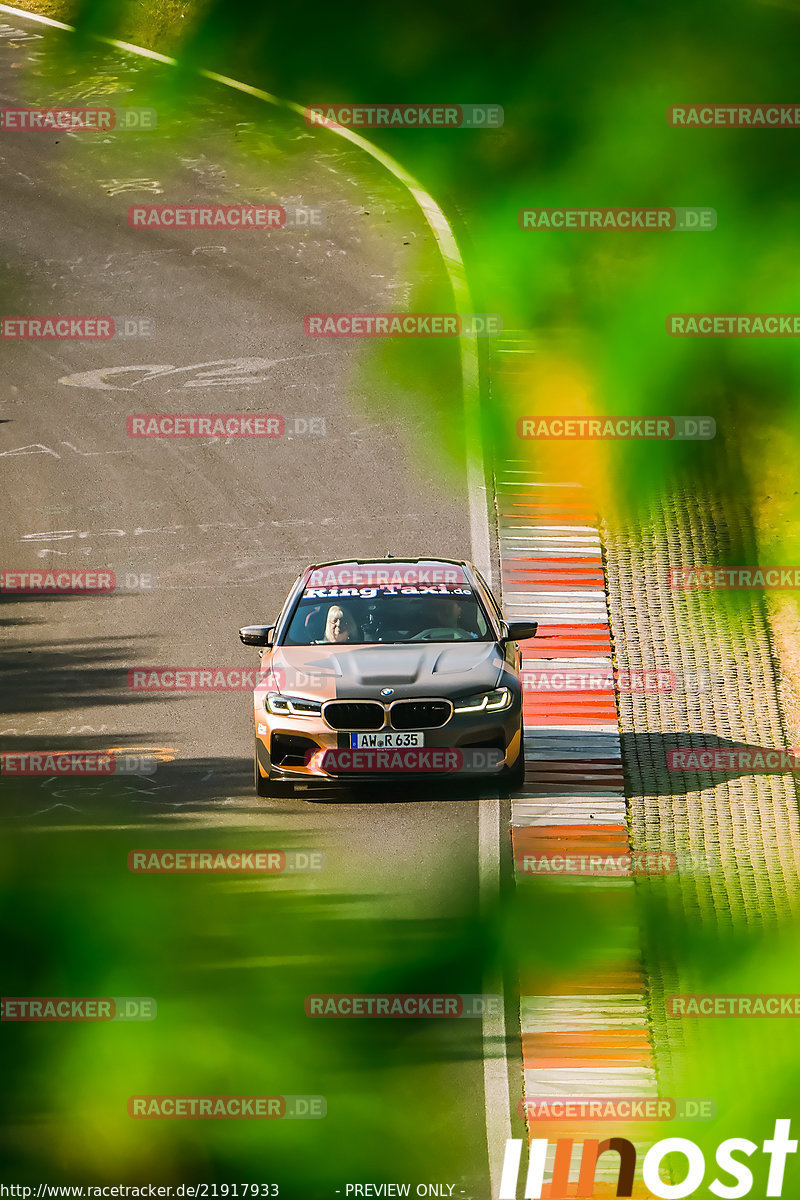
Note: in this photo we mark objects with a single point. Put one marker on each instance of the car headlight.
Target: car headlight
(291, 706)
(484, 701)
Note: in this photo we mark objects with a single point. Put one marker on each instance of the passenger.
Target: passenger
(340, 626)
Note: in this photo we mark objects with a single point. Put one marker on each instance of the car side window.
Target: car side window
(489, 595)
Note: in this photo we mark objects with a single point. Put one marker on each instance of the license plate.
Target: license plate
(385, 741)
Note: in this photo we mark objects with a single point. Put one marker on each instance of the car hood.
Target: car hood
(359, 672)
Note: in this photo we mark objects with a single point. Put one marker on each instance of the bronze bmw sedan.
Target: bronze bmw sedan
(383, 669)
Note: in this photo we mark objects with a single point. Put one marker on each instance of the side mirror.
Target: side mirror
(257, 635)
(519, 631)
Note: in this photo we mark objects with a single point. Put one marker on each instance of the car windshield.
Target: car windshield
(360, 615)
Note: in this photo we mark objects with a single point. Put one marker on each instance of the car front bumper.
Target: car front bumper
(285, 744)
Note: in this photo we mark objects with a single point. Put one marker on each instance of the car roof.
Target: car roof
(386, 562)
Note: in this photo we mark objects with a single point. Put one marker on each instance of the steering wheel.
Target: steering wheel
(442, 633)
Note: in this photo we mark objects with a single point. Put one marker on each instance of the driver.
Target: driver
(446, 613)
(340, 626)
(449, 613)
